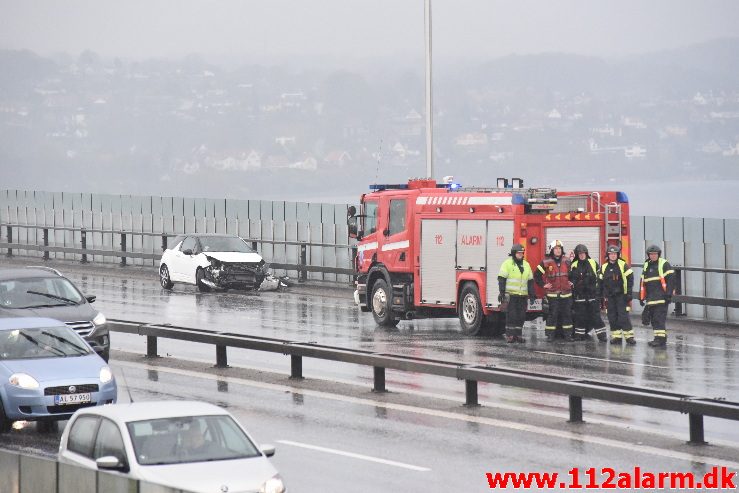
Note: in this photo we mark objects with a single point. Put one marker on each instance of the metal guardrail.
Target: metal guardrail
(576, 389)
(302, 267)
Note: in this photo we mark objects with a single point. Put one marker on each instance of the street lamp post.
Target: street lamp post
(429, 114)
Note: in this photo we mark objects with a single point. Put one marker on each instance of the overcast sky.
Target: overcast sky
(360, 28)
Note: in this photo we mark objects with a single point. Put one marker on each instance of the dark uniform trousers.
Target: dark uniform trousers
(618, 316)
(657, 317)
(516, 315)
(586, 314)
(560, 313)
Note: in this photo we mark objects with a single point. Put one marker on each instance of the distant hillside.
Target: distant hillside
(712, 65)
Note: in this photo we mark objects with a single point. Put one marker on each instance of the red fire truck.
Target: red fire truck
(428, 250)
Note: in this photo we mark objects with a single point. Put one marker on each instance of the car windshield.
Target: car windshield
(38, 292)
(46, 342)
(224, 244)
(189, 439)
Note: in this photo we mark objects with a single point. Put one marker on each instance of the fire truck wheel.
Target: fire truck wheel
(381, 305)
(470, 309)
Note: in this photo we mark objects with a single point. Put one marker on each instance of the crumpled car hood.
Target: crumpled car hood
(235, 257)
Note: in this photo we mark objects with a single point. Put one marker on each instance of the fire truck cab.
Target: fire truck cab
(430, 250)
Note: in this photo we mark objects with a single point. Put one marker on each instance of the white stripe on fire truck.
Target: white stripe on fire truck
(421, 200)
(367, 246)
(396, 246)
(489, 201)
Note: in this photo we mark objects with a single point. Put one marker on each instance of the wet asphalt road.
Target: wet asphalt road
(702, 359)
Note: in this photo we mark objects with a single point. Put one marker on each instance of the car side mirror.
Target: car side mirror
(187, 251)
(352, 223)
(268, 450)
(91, 298)
(111, 463)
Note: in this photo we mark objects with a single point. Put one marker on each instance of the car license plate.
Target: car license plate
(535, 306)
(72, 398)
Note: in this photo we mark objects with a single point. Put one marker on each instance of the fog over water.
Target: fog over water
(313, 101)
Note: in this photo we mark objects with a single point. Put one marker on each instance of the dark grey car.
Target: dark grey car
(44, 292)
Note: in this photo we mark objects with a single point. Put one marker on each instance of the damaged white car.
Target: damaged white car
(212, 261)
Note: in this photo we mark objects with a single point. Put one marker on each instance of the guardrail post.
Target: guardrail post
(164, 242)
(696, 429)
(575, 409)
(151, 347)
(221, 357)
(302, 273)
(470, 392)
(296, 367)
(83, 236)
(679, 290)
(123, 249)
(379, 379)
(254, 245)
(10, 240)
(46, 243)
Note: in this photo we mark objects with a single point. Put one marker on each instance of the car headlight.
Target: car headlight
(99, 319)
(23, 380)
(105, 374)
(273, 485)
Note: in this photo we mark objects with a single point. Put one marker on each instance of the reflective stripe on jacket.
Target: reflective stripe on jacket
(558, 275)
(516, 281)
(623, 275)
(657, 281)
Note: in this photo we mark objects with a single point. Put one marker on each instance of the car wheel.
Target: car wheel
(164, 278)
(470, 310)
(381, 305)
(4, 421)
(199, 275)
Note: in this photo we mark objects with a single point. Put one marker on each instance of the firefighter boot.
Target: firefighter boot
(510, 334)
(616, 336)
(629, 336)
(658, 342)
(601, 333)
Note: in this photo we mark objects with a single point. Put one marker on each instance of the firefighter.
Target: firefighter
(657, 288)
(553, 274)
(516, 280)
(617, 281)
(586, 292)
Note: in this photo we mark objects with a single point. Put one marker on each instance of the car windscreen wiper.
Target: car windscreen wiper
(81, 349)
(45, 347)
(53, 296)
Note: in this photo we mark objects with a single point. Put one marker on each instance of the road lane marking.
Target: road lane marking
(497, 423)
(403, 389)
(355, 456)
(601, 359)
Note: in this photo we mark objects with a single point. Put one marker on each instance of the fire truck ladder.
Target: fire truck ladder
(613, 222)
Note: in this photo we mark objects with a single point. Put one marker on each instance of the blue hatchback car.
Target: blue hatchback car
(47, 372)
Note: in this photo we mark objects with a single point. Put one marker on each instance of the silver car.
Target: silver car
(47, 372)
(193, 446)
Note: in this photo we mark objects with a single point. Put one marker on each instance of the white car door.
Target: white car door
(78, 442)
(181, 261)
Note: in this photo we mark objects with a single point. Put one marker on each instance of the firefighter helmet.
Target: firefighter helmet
(614, 249)
(654, 249)
(517, 248)
(556, 243)
(581, 249)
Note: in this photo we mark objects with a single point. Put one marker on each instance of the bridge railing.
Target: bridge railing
(576, 389)
(303, 249)
(301, 268)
